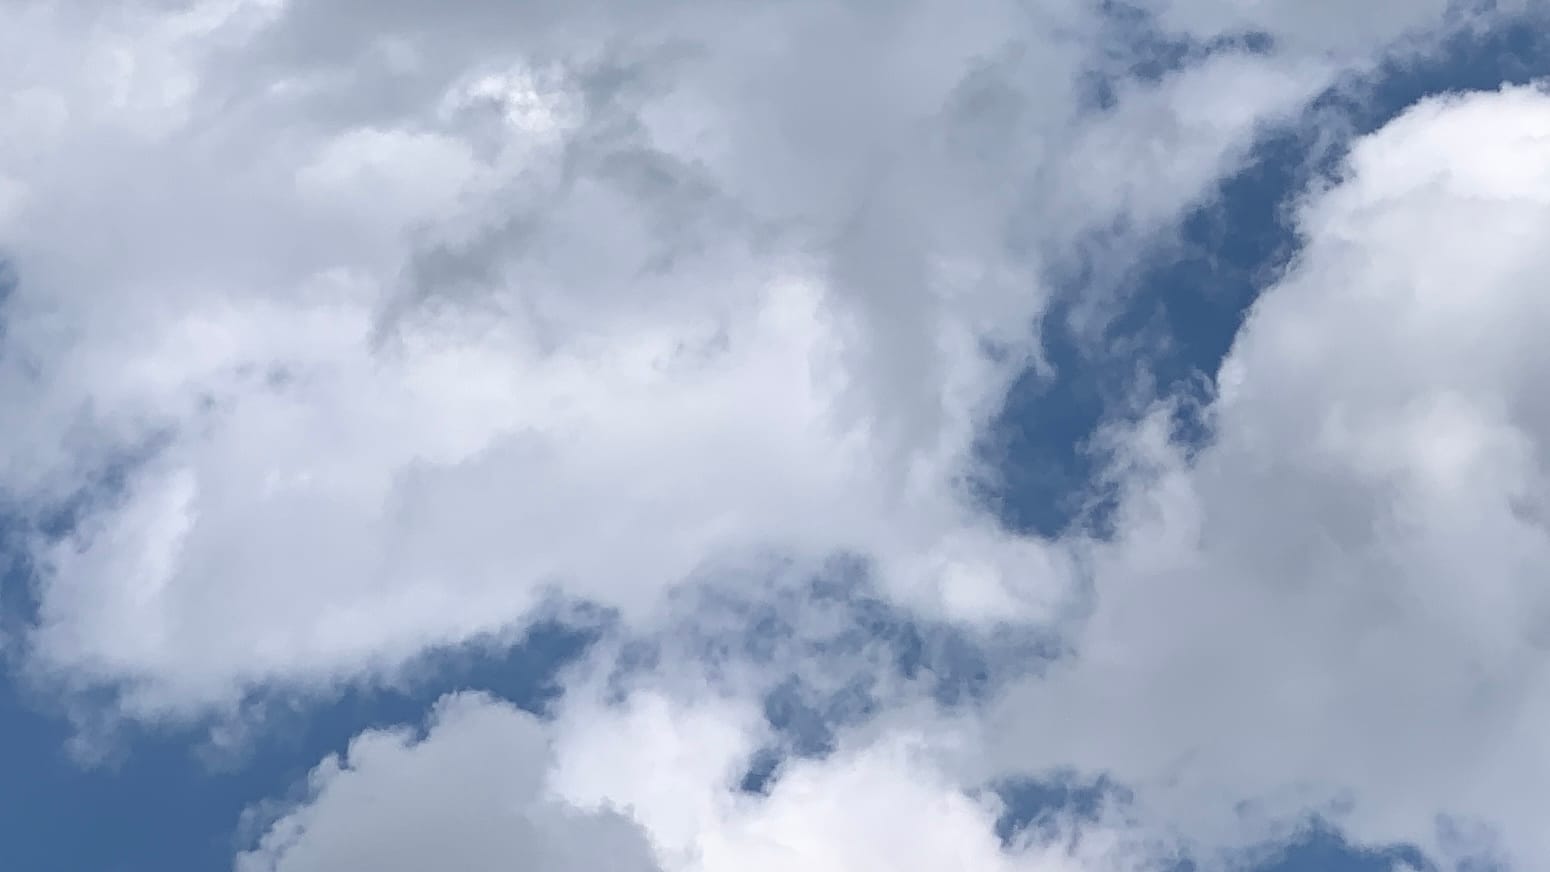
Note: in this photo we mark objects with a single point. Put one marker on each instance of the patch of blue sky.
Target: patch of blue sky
(1175, 316)
(1139, 50)
(166, 803)
(870, 647)
(1040, 806)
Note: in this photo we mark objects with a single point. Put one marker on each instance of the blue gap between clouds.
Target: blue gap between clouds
(833, 617)
(955, 669)
(1179, 313)
(159, 808)
(1034, 807)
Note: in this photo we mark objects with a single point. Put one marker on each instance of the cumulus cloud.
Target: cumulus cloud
(883, 800)
(468, 794)
(350, 331)
(1338, 606)
(651, 783)
(346, 336)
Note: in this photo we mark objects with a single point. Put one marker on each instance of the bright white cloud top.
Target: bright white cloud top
(348, 332)
(1341, 600)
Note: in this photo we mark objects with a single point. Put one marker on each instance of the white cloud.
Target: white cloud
(481, 791)
(1341, 599)
(396, 323)
(399, 322)
(468, 795)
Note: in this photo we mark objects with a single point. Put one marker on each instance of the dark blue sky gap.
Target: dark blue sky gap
(1030, 805)
(1183, 308)
(162, 809)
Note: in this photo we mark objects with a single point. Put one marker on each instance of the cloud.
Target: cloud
(482, 789)
(1337, 605)
(881, 801)
(346, 337)
(468, 794)
(1321, 26)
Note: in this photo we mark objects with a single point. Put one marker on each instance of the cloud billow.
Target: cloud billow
(349, 333)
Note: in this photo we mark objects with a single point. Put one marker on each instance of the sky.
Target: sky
(700, 435)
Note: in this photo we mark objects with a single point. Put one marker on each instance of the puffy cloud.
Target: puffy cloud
(882, 800)
(468, 794)
(482, 791)
(1338, 605)
(347, 333)
(346, 336)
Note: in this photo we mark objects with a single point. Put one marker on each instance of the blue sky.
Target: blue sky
(531, 291)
